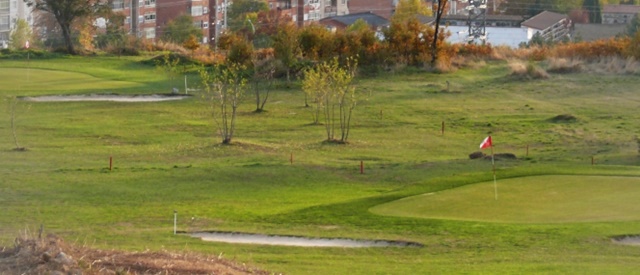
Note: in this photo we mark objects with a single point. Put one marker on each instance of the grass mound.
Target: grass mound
(540, 199)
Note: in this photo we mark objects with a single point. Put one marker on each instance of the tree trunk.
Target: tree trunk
(66, 33)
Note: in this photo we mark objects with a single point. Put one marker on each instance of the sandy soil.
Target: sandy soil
(229, 237)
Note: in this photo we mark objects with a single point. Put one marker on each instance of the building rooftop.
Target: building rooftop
(544, 20)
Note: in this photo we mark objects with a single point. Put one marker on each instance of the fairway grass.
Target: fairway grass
(279, 176)
(539, 199)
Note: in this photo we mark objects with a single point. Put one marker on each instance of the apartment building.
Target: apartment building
(306, 11)
(148, 18)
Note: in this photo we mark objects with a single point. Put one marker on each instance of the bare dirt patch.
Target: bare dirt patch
(51, 255)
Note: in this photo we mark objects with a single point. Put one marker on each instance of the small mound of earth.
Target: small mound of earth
(51, 255)
(563, 118)
(107, 97)
(499, 156)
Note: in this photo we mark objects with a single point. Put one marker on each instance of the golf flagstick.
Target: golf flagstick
(487, 142)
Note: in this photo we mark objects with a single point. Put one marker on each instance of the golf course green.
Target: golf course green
(539, 199)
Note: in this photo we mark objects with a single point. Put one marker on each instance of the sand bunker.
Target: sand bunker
(628, 240)
(229, 237)
(107, 97)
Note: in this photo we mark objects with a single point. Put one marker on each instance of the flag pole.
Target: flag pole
(495, 183)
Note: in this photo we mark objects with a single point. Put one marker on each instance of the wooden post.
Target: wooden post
(291, 158)
(361, 167)
(527, 150)
(442, 129)
(593, 161)
(380, 113)
(110, 163)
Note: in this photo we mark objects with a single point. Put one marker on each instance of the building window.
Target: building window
(196, 10)
(150, 3)
(4, 22)
(205, 25)
(205, 10)
(149, 17)
(4, 5)
(117, 4)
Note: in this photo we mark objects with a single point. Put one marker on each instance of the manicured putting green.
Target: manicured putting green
(538, 199)
(45, 80)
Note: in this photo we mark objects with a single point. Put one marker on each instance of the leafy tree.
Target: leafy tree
(594, 10)
(406, 9)
(331, 87)
(286, 46)
(224, 90)
(180, 29)
(66, 12)
(20, 35)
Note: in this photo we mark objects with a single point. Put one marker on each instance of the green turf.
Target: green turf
(167, 156)
(540, 199)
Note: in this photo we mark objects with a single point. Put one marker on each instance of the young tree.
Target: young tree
(180, 29)
(224, 91)
(169, 65)
(66, 12)
(263, 78)
(331, 86)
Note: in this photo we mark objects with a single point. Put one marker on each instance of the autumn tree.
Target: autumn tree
(407, 9)
(66, 12)
(410, 41)
(316, 42)
(224, 90)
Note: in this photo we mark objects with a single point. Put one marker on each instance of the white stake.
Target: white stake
(175, 221)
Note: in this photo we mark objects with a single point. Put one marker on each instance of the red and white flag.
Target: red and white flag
(486, 143)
